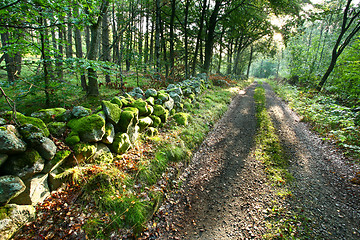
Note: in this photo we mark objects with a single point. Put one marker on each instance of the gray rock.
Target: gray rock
(10, 141)
(138, 90)
(109, 134)
(150, 93)
(36, 191)
(133, 132)
(112, 111)
(169, 104)
(2, 121)
(170, 86)
(10, 187)
(187, 91)
(64, 117)
(80, 111)
(46, 148)
(32, 134)
(57, 161)
(3, 158)
(57, 129)
(17, 216)
(24, 165)
(176, 97)
(176, 91)
(54, 181)
(102, 155)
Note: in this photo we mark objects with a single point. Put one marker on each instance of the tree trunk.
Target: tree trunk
(59, 58)
(157, 36)
(187, 5)
(105, 43)
(79, 54)
(229, 57)
(171, 36)
(210, 37)
(198, 39)
(93, 87)
(45, 58)
(69, 50)
(250, 61)
(9, 60)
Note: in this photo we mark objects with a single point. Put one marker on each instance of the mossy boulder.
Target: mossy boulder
(165, 116)
(151, 132)
(117, 100)
(158, 110)
(102, 154)
(22, 119)
(144, 123)
(109, 134)
(57, 129)
(151, 93)
(156, 120)
(80, 112)
(144, 108)
(133, 133)
(46, 148)
(84, 151)
(163, 96)
(179, 107)
(10, 140)
(112, 111)
(64, 117)
(121, 143)
(169, 104)
(72, 139)
(181, 118)
(48, 115)
(10, 187)
(129, 117)
(150, 101)
(24, 165)
(56, 162)
(90, 128)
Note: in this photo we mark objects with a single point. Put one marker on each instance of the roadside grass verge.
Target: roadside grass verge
(334, 122)
(128, 191)
(282, 222)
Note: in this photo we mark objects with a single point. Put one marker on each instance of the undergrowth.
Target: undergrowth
(128, 191)
(334, 122)
(282, 223)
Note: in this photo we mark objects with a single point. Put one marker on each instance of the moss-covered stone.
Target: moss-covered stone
(24, 165)
(112, 111)
(172, 112)
(144, 108)
(151, 93)
(10, 140)
(72, 139)
(84, 151)
(80, 111)
(192, 96)
(156, 120)
(56, 162)
(57, 129)
(165, 116)
(22, 119)
(151, 101)
(144, 123)
(158, 110)
(90, 128)
(121, 143)
(48, 115)
(163, 96)
(102, 155)
(117, 100)
(64, 117)
(181, 118)
(109, 134)
(129, 117)
(151, 132)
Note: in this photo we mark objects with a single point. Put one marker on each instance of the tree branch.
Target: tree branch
(10, 5)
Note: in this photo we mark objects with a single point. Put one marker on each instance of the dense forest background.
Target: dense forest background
(53, 46)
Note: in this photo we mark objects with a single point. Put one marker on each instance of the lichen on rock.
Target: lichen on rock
(10, 140)
(112, 111)
(48, 115)
(121, 143)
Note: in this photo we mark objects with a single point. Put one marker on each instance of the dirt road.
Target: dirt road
(225, 193)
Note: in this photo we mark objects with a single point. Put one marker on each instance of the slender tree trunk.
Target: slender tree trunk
(250, 61)
(105, 43)
(79, 53)
(59, 58)
(171, 36)
(69, 48)
(157, 36)
(163, 42)
(198, 39)
(9, 60)
(45, 58)
(229, 57)
(93, 87)
(146, 50)
(210, 37)
(187, 5)
(87, 39)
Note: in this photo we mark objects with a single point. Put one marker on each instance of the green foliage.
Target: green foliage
(330, 119)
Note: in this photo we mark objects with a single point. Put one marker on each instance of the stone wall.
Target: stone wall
(32, 154)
